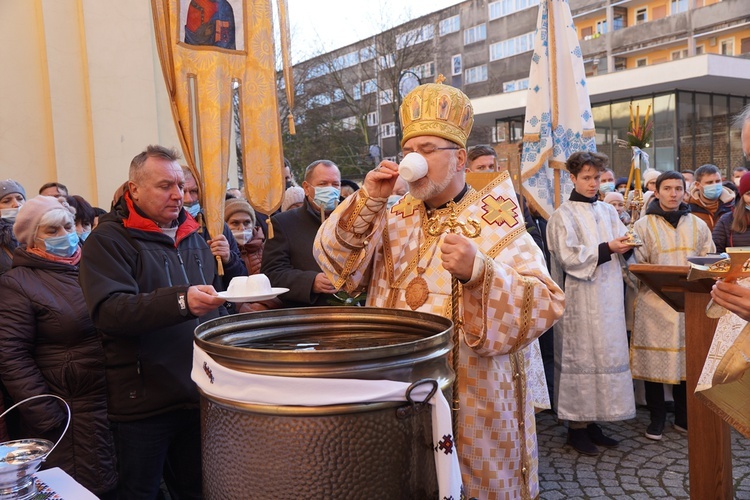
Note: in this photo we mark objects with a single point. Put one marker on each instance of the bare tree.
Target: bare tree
(340, 89)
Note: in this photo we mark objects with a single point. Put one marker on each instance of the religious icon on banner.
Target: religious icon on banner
(212, 23)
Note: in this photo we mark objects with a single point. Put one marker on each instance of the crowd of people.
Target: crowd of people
(99, 306)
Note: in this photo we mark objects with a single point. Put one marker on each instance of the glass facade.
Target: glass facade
(690, 130)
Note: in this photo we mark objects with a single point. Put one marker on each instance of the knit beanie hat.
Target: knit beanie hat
(29, 215)
(744, 186)
(9, 186)
(613, 196)
(235, 205)
(294, 194)
(620, 181)
(650, 175)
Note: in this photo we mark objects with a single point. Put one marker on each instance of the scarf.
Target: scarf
(73, 260)
(673, 217)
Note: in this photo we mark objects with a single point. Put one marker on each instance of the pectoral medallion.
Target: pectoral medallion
(417, 291)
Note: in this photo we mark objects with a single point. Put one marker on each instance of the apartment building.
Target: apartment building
(688, 59)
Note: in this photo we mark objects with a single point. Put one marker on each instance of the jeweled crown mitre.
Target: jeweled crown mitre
(439, 110)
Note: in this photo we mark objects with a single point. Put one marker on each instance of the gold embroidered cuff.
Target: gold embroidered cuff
(365, 210)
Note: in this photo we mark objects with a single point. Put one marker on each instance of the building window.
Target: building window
(338, 95)
(476, 74)
(521, 84)
(349, 123)
(372, 119)
(639, 63)
(386, 61)
(369, 86)
(475, 34)
(727, 47)
(700, 49)
(679, 6)
(508, 48)
(299, 88)
(601, 27)
(678, 54)
(587, 32)
(357, 91)
(367, 53)
(425, 70)
(456, 66)
(744, 45)
(415, 36)
(386, 97)
(388, 130)
(319, 100)
(450, 25)
(505, 7)
(641, 16)
(346, 60)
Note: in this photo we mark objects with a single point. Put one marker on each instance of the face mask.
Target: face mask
(62, 246)
(82, 236)
(392, 200)
(8, 213)
(712, 191)
(606, 187)
(326, 197)
(193, 209)
(621, 190)
(243, 237)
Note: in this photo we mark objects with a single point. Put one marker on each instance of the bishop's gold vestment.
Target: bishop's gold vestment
(512, 302)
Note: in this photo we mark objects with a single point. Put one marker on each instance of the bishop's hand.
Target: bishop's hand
(379, 181)
(457, 253)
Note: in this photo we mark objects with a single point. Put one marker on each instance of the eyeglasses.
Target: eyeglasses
(426, 150)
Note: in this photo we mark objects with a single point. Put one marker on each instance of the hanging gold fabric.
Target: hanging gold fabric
(207, 47)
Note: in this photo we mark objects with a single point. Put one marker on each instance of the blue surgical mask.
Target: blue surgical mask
(712, 191)
(326, 197)
(84, 235)
(62, 246)
(193, 209)
(606, 187)
(392, 200)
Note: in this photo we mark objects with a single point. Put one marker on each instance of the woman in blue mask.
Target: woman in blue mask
(48, 345)
(85, 216)
(732, 228)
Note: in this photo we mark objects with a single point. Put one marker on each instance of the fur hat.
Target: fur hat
(235, 205)
(294, 194)
(29, 215)
(9, 186)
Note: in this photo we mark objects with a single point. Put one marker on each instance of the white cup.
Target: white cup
(413, 167)
(249, 286)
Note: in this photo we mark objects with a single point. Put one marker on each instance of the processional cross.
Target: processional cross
(730, 270)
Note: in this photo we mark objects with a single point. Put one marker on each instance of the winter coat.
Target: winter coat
(724, 237)
(135, 280)
(288, 257)
(48, 345)
(725, 204)
(8, 244)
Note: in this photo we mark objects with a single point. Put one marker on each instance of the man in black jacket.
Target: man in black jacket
(287, 257)
(148, 279)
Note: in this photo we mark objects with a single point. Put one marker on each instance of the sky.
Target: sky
(320, 26)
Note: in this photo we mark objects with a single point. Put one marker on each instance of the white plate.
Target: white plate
(253, 298)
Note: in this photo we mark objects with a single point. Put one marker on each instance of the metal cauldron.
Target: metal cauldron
(20, 459)
(373, 450)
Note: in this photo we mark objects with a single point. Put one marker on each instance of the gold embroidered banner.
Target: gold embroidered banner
(206, 48)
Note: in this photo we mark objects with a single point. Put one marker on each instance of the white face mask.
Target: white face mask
(8, 214)
(243, 237)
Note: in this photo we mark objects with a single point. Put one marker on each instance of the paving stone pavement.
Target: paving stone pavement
(638, 468)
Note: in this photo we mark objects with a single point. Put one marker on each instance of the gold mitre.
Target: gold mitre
(437, 109)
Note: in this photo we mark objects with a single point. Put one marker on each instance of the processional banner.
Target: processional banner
(207, 48)
(558, 112)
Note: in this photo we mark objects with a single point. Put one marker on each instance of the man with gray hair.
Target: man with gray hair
(148, 280)
(288, 257)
